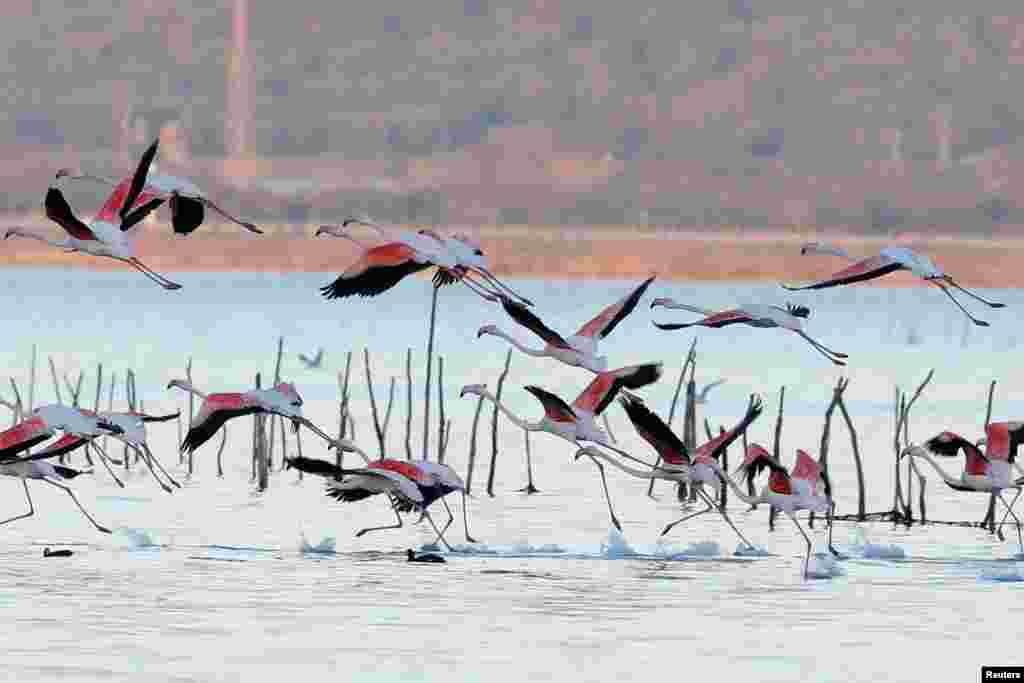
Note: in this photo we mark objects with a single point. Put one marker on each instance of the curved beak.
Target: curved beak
(8, 234)
(480, 333)
(579, 454)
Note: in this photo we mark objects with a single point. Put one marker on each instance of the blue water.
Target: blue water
(219, 582)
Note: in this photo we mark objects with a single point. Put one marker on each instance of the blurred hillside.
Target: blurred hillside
(882, 118)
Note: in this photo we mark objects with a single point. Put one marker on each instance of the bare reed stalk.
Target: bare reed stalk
(110, 401)
(990, 515)
(220, 450)
(343, 407)
(777, 449)
(861, 509)
(901, 427)
(444, 442)
(19, 407)
(95, 405)
(440, 413)
(494, 424)
(826, 434)
(690, 431)
(529, 489)
(32, 381)
(687, 362)
(129, 393)
(56, 384)
(277, 380)
(472, 444)
(373, 402)
(298, 447)
(260, 447)
(430, 359)
(191, 410)
(408, 405)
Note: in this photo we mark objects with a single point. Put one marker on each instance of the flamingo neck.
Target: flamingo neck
(187, 386)
(833, 250)
(937, 467)
(640, 474)
(515, 342)
(739, 492)
(32, 235)
(522, 424)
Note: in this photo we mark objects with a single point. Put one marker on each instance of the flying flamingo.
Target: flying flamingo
(313, 363)
(578, 422)
(678, 464)
(184, 197)
(788, 318)
(806, 488)
(217, 409)
(410, 486)
(579, 350)
(111, 232)
(48, 473)
(988, 472)
(889, 260)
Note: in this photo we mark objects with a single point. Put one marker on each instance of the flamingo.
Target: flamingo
(48, 473)
(184, 197)
(889, 260)
(313, 363)
(578, 422)
(702, 395)
(806, 488)
(988, 472)
(788, 318)
(579, 350)
(679, 465)
(217, 409)
(409, 486)
(111, 232)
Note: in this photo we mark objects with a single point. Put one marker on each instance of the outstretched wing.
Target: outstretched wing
(138, 181)
(522, 315)
(716, 446)
(314, 466)
(654, 431)
(555, 408)
(602, 389)
(216, 410)
(606, 320)
(867, 269)
(379, 269)
(716, 320)
(62, 446)
(59, 211)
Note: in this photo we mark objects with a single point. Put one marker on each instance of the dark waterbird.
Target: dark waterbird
(425, 557)
(56, 553)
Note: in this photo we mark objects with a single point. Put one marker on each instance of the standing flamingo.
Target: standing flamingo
(988, 472)
(184, 197)
(889, 260)
(579, 350)
(111, 232)
(217, 409)
(788, 318)
(806, 488)
(678, 464)
(578, 422)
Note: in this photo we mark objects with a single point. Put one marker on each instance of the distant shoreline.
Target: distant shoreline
(570, 253)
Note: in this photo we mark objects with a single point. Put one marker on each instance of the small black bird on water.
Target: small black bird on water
(426, 557)
(56, 553)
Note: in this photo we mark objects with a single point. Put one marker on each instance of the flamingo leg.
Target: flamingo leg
(149, 465)
(248, 226)
(477, 288)
(821, 349)
(103, 457)
(725, 516)
(1010, 512)
(807, 558)
(154, 459)
(709, 508)
(992, 304)
(451, 518)
(465, 519)
(31, 510)
(624, 454)
(607, 497)
(381, 528)
(831, 514)
(440, 535)
(71, 493)
(976, 321)
(501, 285)
(152, 275)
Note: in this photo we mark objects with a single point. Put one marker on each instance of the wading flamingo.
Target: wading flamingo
(111, 233)
(580, 349)
(988, 472)
(889, 260)
(184, 197)
(48, 473)
(806, 488)
(578, 422)
(217, 409)
(788, 318)
(678, 464)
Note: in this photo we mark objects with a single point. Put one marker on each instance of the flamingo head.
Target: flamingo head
(486, 329)
(946, 444)
(344, 445)
(592, 451)
(798, 311)
(289, 394)
(477, 389)
(913, 450)
(333, 230)
(754, 458)
(63, 172)
(662, 301)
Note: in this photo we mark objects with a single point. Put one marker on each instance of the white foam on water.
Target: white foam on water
(1001, 575)
(324, 547)
(751, 551)
(882, 551)
(616, 547)
(128, 537)
(823, 566)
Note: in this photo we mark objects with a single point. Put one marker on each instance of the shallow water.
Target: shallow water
(217, 582)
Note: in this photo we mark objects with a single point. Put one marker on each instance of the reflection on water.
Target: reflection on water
(216, 582)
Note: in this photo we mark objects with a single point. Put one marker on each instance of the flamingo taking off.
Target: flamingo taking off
(889, 260)
(111, 233)
(789, 318)
(988, 472)
(678, 464)
(217, 409)
(186, 200)
(578, 422)
(580, 349)
(48, 473)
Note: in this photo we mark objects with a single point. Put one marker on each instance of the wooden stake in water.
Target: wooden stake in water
(494, 424)
(529, 489)
(408, 407)
(32, 381)
(430, 358)
(260, 448)
(472, 444)
(777, 449)
(861, 509)
(990, 515)
(690, 358)
(277, 380)
(220, 450)
(441, 422)
(56, 384)
(191, 408)
(377, 427)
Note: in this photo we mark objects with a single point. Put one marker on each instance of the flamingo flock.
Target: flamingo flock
(416, 486)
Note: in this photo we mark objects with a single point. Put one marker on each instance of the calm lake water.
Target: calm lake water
(216, 582)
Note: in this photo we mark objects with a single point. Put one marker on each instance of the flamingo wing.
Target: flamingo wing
(59, 211)
(603, 388)
(555, 408)
(138, 181)
(365, 482)
(1016, 430)
(716, 320)
(522, 315)
(62, 446)
(187, 214)
(158, 418)
(654, 431)
(866, 269)
(314, 466)
(22, 436)
(216, 410)
(602, 325)
(716, 446)
(379, 269)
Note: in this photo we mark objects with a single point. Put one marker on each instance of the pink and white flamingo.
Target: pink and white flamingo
(789, 318)
(184, 197)
(578, 422)
(889, 260)
(111, 233)
(677, 463)
(988, 472)
(579, 350)
(283, 400)
(48, 473)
